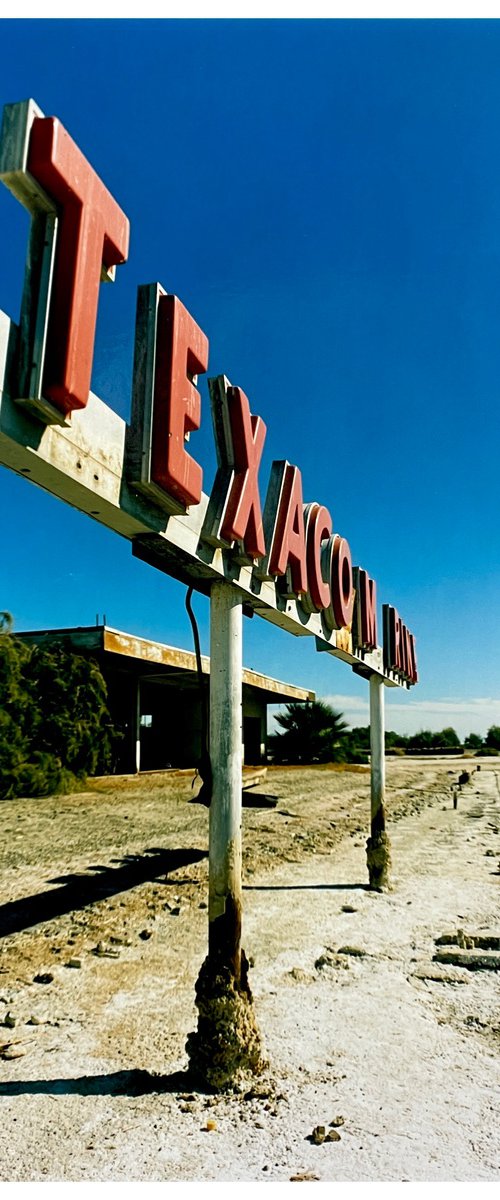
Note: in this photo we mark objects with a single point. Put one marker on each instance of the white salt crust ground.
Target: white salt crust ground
(410, 1063)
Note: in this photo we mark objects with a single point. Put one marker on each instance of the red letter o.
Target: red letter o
(338, 564)
(318, 523)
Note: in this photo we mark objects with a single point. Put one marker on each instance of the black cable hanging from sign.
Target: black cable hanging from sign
(204, 766)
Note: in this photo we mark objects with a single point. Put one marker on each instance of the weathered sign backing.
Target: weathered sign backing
(280, 558)
(143, 480)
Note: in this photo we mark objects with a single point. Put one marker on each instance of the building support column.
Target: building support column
(138, 726)
(132, 754)
(378, 847)
(226, 1046)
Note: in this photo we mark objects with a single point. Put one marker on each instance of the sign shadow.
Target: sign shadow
(116, 1083)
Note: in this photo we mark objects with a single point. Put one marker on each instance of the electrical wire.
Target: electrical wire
(204, 767)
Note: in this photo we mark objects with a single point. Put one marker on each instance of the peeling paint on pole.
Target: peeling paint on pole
(227, 1044)
(378, 848)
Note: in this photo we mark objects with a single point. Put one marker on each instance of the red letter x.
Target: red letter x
(93, 232)
(243, 516)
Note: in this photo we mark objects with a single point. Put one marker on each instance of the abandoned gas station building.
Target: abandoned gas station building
(154, 697)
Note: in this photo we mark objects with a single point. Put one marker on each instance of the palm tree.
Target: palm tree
(312, 733)
(6, 622)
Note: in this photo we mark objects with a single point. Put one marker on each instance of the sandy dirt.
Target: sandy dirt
(103, 926)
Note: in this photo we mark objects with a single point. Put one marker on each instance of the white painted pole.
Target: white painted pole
(226, 1046)
(226, 665)
(378, 845)
(377, 745)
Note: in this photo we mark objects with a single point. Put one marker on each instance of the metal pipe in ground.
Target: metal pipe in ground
(226, 1046)
(378, 847)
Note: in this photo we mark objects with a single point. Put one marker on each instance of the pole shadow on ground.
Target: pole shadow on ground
(119, 1083)
(81, 891)
(306, 887)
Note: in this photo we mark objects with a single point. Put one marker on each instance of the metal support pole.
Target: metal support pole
(377, 746)
(226, 1047)
(225, 742)
(378, 845)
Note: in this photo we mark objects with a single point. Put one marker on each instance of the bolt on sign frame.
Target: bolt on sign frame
(281, 559)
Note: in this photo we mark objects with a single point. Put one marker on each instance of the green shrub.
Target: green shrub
(354, 754)
(54, 721)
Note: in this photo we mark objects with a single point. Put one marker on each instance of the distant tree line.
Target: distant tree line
(315, 732)
(444, 739)
(55, 727)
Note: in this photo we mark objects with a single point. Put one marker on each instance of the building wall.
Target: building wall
(160, 722)
(171, 727)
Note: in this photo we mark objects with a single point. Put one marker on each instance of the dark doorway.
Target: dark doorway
(252, 740)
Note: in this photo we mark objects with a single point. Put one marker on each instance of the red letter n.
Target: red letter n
(366, 607)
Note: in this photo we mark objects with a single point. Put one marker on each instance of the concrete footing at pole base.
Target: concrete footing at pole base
(226, 1048)
(378, 857)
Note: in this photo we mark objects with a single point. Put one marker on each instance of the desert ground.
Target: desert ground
(392, 1053)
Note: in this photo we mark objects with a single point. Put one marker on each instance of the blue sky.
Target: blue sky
(324, 196)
